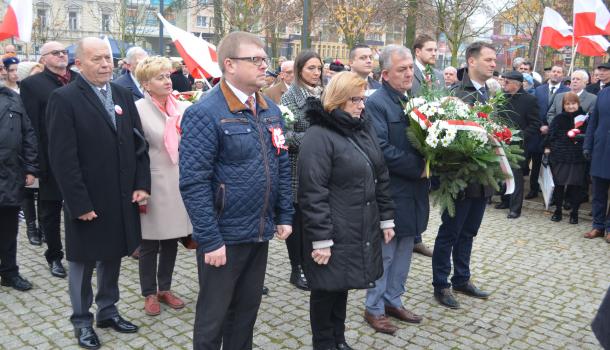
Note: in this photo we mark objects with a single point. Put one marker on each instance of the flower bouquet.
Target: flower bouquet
(188, 96)
(462, 144)
(287, 116)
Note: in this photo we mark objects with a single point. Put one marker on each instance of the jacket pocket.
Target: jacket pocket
(237, 141)
(219, 201)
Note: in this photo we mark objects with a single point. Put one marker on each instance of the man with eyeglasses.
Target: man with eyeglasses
(236, 185)
(35, 92)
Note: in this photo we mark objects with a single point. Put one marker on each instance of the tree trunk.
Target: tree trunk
(411, 26)
(219, 31)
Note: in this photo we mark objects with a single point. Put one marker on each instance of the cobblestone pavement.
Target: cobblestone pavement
(547, 282)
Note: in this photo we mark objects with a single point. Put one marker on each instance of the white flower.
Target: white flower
(287, 114)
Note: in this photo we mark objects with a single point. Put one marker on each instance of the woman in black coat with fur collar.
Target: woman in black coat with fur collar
(345, 200)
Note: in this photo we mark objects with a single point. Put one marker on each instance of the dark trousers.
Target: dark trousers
(50, 221)
(454, 238)
(150, 272)
(294, 242)
(29, 205)
(515, 200)
(9, 226)
(81, 292)
(570, 193)
(327, 315)
(229, 298)
(601, 219)
(536, 159)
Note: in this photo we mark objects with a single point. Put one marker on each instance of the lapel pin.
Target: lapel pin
(118, 109)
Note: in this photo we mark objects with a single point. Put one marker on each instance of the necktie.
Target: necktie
(552, 90)
(251, 104)
(104, 93)
(483, 92)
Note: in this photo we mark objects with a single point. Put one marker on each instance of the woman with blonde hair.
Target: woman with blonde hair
(164, 219)
(345, 201)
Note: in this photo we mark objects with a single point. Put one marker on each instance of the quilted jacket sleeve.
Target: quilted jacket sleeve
(198, 153)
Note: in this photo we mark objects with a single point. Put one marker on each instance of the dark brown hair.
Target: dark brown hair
(570, 97)
(299, 65)
(421, 40)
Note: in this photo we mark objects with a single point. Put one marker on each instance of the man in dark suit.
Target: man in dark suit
(521, 109)
(546, 94)
(35, 91)
(286, 77)
(99, 155)
(361, 63)
(133, 56)
(181, 82)
(456, 234)
(425, 51)
(597, 150)
(603, 73)
(409, 187)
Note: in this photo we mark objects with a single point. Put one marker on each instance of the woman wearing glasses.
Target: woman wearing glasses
(164, 219)
(307, 83)
(345, 204)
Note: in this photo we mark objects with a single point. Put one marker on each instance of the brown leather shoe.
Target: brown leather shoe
(594, 233)
(403, 314)
(170, 300)
(422, 249)
(381, 323)
(607, 237)
(151, 305)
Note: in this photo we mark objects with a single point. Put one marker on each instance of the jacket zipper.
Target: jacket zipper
(267, 176)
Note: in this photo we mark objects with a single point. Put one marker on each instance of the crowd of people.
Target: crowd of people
(136, 171)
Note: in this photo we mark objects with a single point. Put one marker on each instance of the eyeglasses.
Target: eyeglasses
(356, 100)
(257, 61)
(56, 53)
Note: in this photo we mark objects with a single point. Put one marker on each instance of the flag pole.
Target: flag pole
(574, 48)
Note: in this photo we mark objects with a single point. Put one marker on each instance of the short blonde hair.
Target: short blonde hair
(151, 67)
(341, 88)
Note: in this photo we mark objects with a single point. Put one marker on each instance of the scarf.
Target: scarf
(172, 132)
(314, 91)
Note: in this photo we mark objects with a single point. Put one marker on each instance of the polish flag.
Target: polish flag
(554, 32)
(591, 17)
(580, 120)
(592, 45)
(18, 21)
(198, 55)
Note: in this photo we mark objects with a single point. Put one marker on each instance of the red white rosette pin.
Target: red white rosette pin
(118, 109)
(278, 139)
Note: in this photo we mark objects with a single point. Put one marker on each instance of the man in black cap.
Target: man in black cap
(521, 109)
(604, 79)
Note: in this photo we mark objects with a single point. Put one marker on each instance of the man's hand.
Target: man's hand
(29, 179)
(544, 129)
(283, 231)
(321, 256)
(88, 216)
(139, 196)
(388, 234)
(216, 258)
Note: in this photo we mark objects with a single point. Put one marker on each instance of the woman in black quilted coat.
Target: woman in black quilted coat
(347, 210)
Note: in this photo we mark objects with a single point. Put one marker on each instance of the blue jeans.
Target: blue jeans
(391, 286)
(599, 203)
(455, 236)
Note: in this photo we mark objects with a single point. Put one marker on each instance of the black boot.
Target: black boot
(574, 215)
(33, 233)
(43, 237)
(297, 277)
(557, 215)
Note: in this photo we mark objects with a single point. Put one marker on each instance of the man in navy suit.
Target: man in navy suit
(133, 56)
(545, 94)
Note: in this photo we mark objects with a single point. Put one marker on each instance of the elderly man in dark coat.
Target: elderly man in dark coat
(521, 109)
(597, 149)
(99, 156)
(35, 91)
(408, 185)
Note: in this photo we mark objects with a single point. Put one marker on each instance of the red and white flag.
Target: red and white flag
(592, 45)
(198, 55)
(580, 120)
(18, 20)
(554, 32)
(591, 17)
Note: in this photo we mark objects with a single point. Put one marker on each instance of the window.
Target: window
(508, 29)
(105, 22)
(72, 20)
(203, 2)
(202, 21)
(41, 15)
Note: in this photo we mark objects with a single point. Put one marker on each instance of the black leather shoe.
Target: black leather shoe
(567, 206)
(33, 233)
(472, 291)
(344, 346)
(513, 215)
(16, 282)
(87, 338)
(43, 236)
(265, 290)
(574, 218)
(557, 216)
(118, 324)
(297, 278)
(446, 298)
(501, 205)
(57, 269)
(531, 195)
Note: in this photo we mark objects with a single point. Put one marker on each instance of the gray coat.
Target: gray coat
(418, 78)
(587, 102)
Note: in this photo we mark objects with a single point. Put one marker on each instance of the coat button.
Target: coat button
(248, 130)
(227, 132)
(375, 180)
(368, 244)
(371, 284)
(368, 203)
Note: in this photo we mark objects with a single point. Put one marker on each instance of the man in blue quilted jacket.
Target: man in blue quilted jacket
(235, 182)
